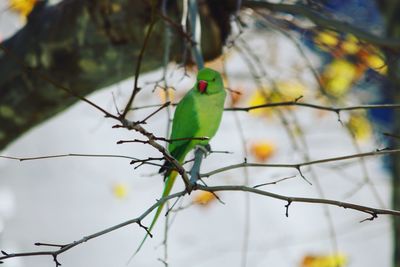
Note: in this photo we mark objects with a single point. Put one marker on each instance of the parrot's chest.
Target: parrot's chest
(210, 107)
(209, 114)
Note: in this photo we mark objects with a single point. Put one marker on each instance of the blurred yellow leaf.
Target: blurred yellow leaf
(204, 198)
(374, 59)
(376, 63)
(338, 77)
(262, 150)
(22, 7)
(337, 260)
(259, 97)
(326, 39)
(120, 190)
(360, 127)
(350, 45)
(284, 91)
(287, 91)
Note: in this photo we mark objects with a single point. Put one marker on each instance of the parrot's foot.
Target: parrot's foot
(205, 150)
(193, 179)
(199, 153)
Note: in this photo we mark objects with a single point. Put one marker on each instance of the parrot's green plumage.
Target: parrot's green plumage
(198, 114)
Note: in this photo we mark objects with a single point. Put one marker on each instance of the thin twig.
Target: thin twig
(274, 182)
(297, 166)
(296, 102)
(166, 104)
(151, 106)
(314, 106)
(152, 141)
(133, 159)
(202, 138)
(346, 205)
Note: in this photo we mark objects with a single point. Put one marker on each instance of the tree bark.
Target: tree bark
(85, 45)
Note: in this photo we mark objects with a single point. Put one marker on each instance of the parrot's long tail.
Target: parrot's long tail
(167, 189)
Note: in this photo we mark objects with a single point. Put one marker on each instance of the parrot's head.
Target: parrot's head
(209, 81)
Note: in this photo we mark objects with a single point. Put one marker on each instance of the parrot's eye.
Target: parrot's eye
(202, 86)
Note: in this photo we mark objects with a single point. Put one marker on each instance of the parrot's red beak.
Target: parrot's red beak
(202, 86)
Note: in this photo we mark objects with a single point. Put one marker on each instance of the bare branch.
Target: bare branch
(296, 102)
(166, 104)
(274, 182)
(346, 205)
(151, 106)
(169, 140)
(133, 159)
(314, 106)
(152, 141)
(49, 245)
(299, 165)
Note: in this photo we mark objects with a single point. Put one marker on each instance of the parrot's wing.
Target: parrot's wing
(184, 125)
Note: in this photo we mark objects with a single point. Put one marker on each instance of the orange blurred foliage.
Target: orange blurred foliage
(235, 96)
(336, 260)
(22, 7)
(262, 150)
(204, 198)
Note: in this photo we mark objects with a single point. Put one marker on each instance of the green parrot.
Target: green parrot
(198, 114)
